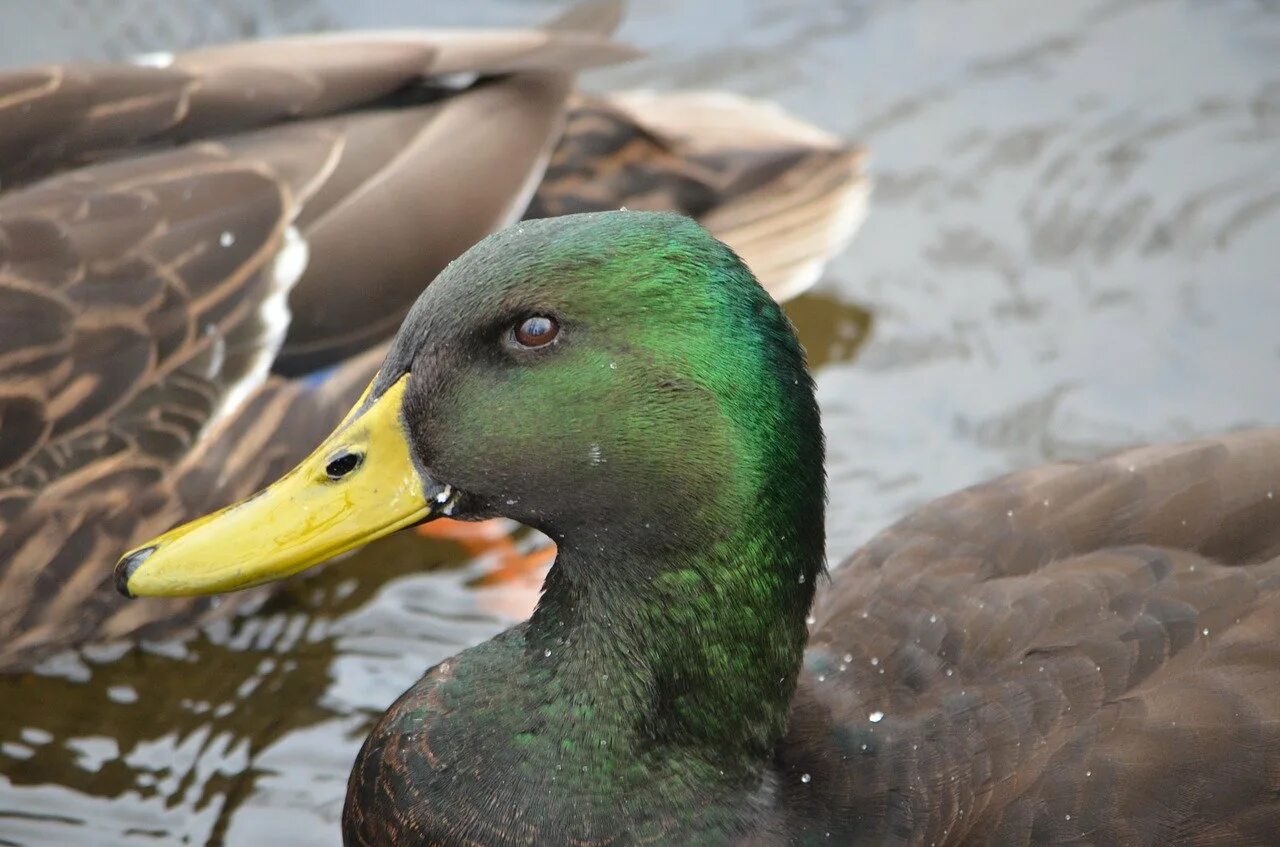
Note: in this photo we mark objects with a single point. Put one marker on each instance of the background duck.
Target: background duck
(1074, 654)
(174, 233)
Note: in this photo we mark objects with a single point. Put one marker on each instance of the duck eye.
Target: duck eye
(342, 464)
(536, 331)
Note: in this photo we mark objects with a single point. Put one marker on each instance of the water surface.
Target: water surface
(1073, 246)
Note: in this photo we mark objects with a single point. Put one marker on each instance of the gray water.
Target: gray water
(1073, 246)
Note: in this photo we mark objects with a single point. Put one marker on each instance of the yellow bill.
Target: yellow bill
(360, 484)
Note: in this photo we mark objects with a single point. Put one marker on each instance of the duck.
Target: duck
(1083, 653)
(203, 256)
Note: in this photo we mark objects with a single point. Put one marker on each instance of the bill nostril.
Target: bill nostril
(126, 567)
(343, 464)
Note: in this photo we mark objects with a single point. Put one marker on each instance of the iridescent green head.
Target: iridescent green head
(658, 394)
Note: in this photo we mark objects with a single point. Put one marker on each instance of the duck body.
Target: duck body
(1078, 654)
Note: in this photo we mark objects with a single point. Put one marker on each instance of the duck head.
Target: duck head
(615, 379)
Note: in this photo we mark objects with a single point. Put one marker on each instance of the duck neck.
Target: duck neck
(685, 658)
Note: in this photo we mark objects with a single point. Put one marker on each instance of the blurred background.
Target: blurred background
(1073, 246)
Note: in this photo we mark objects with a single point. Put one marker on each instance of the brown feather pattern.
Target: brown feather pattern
(1077, 654)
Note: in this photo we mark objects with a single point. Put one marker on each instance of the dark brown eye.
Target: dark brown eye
(537, 331)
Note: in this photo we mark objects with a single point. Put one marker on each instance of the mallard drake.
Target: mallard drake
(1078, 654)
(173, 233)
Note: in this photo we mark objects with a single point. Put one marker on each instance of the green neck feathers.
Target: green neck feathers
(694, 590)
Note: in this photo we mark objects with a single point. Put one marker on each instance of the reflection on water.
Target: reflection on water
(832, 330)
(1072, 246)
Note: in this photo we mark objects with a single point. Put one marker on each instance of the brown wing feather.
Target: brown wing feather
(65, 115)
(143, 302)
(139, 316)
(1072, 655)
